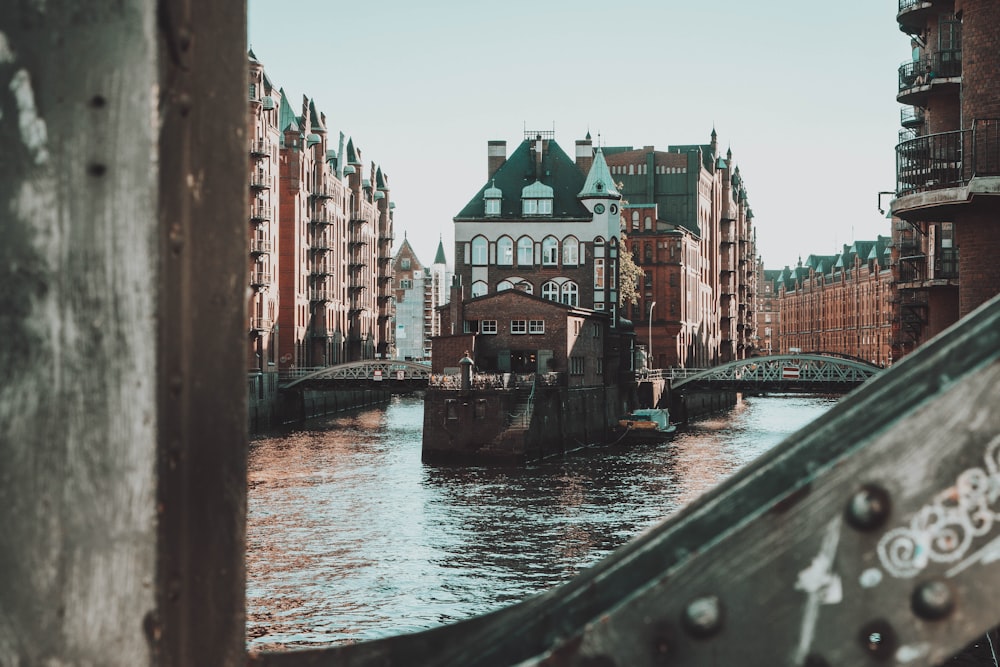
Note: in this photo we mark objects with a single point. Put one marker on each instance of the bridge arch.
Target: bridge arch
(367, 370)
(784, 369)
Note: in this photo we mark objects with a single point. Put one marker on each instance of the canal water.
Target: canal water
(350, 537)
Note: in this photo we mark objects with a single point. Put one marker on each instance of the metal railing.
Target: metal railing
(943, 65)
(260, 279)
(260, 147)
(260, 182)
(260, 246)
(261, 323)
(909, 116)
(260, 213)
(948, 159)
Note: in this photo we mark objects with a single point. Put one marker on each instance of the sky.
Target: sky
(803, 94)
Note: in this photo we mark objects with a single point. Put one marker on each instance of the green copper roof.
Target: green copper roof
(315, 120)
(352, 153)
(493, 192)
(286, 117)
(599, 182)
(439, 257)
(380, 179)
(536, 190)
(558, 171)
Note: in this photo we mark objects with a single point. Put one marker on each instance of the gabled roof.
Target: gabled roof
(380, 179)
(352, 153)
(315, 120)
(599, 182)
(558, 171)
(287, 120)
(439, 258)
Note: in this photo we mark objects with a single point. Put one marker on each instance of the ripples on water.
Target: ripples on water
(350, 537)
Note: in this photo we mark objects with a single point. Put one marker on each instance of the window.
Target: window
(577, 326)
(550, 251)
(405, 283)
(404, 263)
(536, 326)
(635, 219)
(529, 207)
(504, 285)
(595, 328)
(550, 291)
(544, 207)
(571, 251)
(525, 250)
(470, 326)
(492, 206)
(647, 251)
(600, 366)
(479, 288)
(519, 326)
(598, 273)
(488, 327)
(505, 251)
(648, 223)
(569, 293)
(479, 248)
(576, 365)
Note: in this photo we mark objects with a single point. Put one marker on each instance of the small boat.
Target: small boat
(646, 425)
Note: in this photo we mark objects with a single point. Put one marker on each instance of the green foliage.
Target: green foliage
(629, 275)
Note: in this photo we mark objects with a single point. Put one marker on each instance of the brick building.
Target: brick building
(544, 225)
(690, 229)
(840, 304)
(320, 239)
(948, 163)
(768, 311)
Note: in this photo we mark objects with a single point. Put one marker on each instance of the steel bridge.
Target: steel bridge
(394, 373)
(784, 371)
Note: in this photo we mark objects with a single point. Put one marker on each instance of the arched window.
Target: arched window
(504, 285)
(525, 286)
(569, 293)
(479, 288)
(550, 291)
(571, 251)
(635, 219)
(648, 223)
(550, 251)
(648, 253)
(525, 251)
(505, 251)
(480, 256)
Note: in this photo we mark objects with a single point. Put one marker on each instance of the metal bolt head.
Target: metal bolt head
(702, 616)
(868, 508)
(932, 600)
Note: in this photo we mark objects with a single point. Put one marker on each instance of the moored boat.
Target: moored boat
(646, 425)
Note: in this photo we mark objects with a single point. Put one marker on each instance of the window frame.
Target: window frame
(536, 327)
(519, 327)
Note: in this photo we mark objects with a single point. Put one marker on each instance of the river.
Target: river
(350, 537)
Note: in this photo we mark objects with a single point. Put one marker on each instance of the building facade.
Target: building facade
(321, 233)
(948, 163)
(768, 311)
(839, 304)
(417, 293)
(690, 229)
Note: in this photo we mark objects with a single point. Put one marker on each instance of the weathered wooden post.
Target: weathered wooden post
(122, 279)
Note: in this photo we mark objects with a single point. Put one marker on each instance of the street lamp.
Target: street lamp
(649, 354)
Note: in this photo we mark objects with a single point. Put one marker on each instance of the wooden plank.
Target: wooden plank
(758, 547)
(78, 196)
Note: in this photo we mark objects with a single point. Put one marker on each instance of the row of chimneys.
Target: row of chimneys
(496, 155)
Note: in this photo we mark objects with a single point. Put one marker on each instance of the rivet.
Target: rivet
(703, 616)
(98, 101)
(868, 507)
(96, 169)
(878, 639)
(932, 600)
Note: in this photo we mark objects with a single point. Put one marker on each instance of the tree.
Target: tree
(629, 275)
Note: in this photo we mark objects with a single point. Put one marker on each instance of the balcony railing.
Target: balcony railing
(321, 295)
(260, 147)
(260, 182)
(260, 279)
(322, 269)
(948, 159)
(323, 217)
(943, 65)
(323, 192)
(321, 243)
(260, 213)
(911, 116)
(260, 246)
(261, 324)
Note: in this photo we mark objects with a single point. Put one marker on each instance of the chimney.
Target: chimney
(584, 154)
(496, 153)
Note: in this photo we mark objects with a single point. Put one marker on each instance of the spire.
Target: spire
(439, 258)
(599, 182)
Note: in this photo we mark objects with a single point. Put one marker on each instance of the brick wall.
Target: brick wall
(978, 250)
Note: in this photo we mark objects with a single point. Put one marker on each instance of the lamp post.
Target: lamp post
(649, 353)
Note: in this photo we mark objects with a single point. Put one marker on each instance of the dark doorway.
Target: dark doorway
(523, 361)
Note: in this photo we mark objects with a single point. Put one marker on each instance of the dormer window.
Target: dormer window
(536, 199)
(493, 196)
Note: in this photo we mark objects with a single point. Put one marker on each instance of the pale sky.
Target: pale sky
(803, 93)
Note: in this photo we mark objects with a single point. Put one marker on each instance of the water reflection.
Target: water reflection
(350, 537)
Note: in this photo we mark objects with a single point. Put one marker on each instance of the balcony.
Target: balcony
(322, 269)
(914, 84)
(260, 280)
(260, 182)
(320, 295)
(948, 159)
(260, 246)
(260, 214)
(260, 148)
(912, 15)
(322, 192)
(260, 324)
(910, 117)
(323, 217)
(321, 243)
